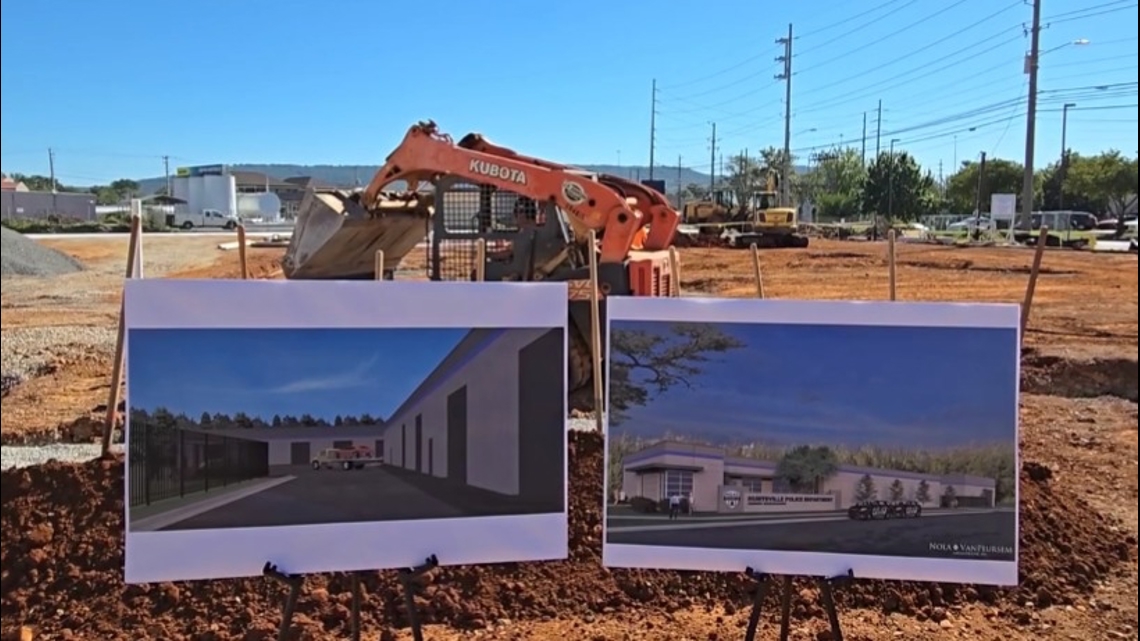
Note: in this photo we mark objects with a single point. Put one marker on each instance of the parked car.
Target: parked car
(882, 510)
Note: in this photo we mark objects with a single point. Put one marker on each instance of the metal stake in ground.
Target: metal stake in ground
(891, 261)
(242, 261)
(596, 330)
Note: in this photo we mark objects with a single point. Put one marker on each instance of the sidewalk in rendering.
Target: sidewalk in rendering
(200, 505)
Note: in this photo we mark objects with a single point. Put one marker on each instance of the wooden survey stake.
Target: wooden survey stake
(133, 271)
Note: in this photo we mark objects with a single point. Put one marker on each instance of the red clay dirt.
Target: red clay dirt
(62, 572)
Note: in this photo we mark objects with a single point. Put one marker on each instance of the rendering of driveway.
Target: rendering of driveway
(831, 534)
(368, 495)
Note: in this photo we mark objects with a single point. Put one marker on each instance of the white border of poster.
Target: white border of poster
(240, 552)
(896, 314)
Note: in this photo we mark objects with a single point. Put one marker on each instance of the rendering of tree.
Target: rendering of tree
(803, 468)
(1001, 177)
(659, 361)
(922, 495)
(949, 495)
(898, 189)
(865, 490)
(896, 490)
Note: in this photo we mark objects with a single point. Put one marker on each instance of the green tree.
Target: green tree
(1107, 179)
(865, 490)
(922, 495)
(644, 362)
(35, 182)
(803, 468)
(695, 191)
(835, 184)
(1001, 177)
(896, 187)
(745, 177)
(895, 490)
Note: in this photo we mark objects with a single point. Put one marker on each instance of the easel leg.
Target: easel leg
(828, 596)
(406, 579)
(757, 601)
(356, 598)
(786, 609)
(294, 581)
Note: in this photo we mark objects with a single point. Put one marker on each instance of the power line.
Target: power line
(717, 74)
(879, 41)
(878, 88)
(910, 54)
(1053, 21)
(857, 29)
(1095, 7)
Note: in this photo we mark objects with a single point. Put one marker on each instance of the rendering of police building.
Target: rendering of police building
(713, 481)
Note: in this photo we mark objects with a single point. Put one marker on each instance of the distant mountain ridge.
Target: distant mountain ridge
(351, 175)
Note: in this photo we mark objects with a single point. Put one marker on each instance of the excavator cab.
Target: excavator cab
(534, 217)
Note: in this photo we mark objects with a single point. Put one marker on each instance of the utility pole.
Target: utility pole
(863, 151)
(878, 129)
(1064, 172)
(712, 162)
(679, 187)
(941, 181)
(652, 128)
(978, 197)
(166, 169)
(51, 176)
(51, 168)
(786, 170)
(1025, 221)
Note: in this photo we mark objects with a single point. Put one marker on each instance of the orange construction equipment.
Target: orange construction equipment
(534, 215)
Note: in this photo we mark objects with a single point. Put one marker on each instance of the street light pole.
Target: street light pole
(1064, 154)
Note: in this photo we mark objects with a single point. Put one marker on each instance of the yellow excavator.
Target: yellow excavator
(759, 220)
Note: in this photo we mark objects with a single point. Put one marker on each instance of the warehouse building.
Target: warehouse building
(298, 445)
(491, 416)
(716, 482)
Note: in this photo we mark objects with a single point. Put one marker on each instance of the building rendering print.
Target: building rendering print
(275, 427)
(850, 439)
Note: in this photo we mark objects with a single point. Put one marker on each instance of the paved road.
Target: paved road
(371, 494)
(931, 535)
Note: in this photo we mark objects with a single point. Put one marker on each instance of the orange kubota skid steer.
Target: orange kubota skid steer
(535, 217)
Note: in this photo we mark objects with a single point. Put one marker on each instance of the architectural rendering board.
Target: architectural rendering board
(338, 426)
(813, 438)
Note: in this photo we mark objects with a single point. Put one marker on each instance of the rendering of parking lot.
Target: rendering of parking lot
(278, 427)
(849, 439)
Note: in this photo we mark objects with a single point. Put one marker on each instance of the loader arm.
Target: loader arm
(425, 155)
(654, 207)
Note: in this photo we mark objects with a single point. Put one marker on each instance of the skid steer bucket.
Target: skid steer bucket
(336, 238)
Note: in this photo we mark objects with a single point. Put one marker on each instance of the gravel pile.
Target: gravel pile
(25, 351)
(21, 256)
(13, 456)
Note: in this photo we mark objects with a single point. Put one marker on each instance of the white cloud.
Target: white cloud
(335, 381)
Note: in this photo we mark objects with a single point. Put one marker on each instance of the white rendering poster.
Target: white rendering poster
(340, 426)
(813, 438)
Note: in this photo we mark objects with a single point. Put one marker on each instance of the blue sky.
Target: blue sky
(114, 85)
(262, 372)
(843, 385)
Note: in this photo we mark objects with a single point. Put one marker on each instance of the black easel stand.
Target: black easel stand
(294, 581)
(406, 578)
(827, 595)
(356, 600)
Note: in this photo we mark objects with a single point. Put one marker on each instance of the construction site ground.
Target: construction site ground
(62, 523)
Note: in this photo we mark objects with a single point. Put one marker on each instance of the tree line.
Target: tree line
(842, 185)
(117, 192)
(163, 418)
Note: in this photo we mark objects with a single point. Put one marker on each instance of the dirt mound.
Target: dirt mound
(1078, 378)
(22, 256)
(62, 564)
